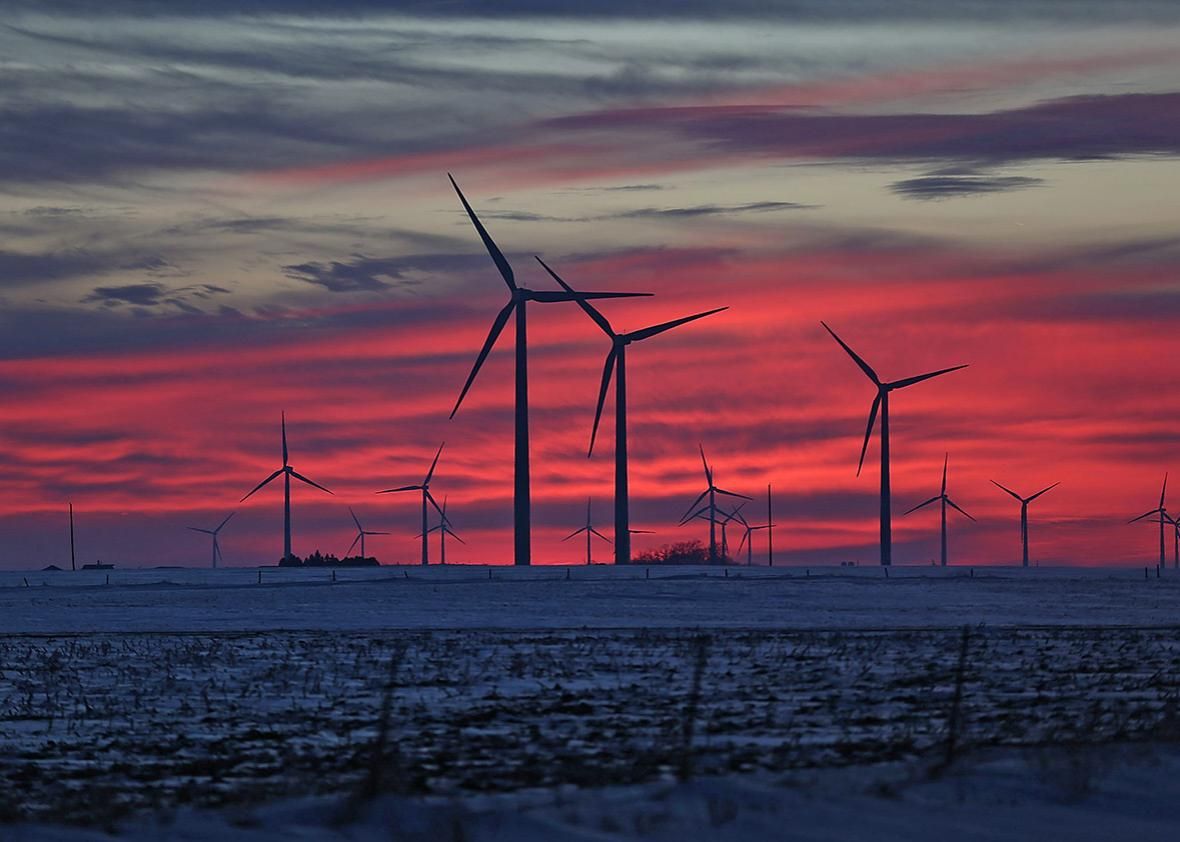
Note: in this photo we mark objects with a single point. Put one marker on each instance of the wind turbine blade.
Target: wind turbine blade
(600, 535)
(955, 506)
(283, 422)
(598, 318)
(687, 515)
(199, 529)
(264, 482)
(574, 533)
(350, 546)
(433, 465)
(708, 471)
(1043, 490)
(430, 497)
(642, 531)
(494, 250)
(864, 448)
(403, 488)
(1164, 489)
(378, 533)
(865, 367)
(1009, 490)
(456, 537)
(302, 478)
(1152, 513)
(545, 296)
(920, 505)
(493, 335)
(742, 543)
(354, 520)
(224, 522)
(655, 330)
(910, 381)
(945, 459)
(607, 371)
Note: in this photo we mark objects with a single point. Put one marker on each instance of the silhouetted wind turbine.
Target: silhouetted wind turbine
(616, 364)
(703, 514)
(748, 537)
(287, 472)
(361, 532)
(518, 298)
(946, 501)
(424, 487)
(881, 402)
(1024, 501)
(589, 530)
(711, 492)
(444, 529)
(1163, 513)
(769, 529)
(73, 563)
(213, 532)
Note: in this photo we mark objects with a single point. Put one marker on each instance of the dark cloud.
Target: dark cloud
(710, 210)
(30, 269)
(143, 295)
(1075, 128)
(374, 274)
(152, 295)
(929, 187)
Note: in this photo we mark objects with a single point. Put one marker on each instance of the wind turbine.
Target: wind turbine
(1163, 513)
(1024, 501)
(881, 402)
(748, 537)
(589, 530)
(518, 299)
(946, 501)
(360, 535)
(616, 363)
(711, 491)
(703, 514)
(213, 532)
(287, 472)
(769, 529)
(73, 563)
(444, 529)
(424, 487)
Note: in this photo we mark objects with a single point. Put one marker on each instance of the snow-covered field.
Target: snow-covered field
(594, 597)
(520, 700)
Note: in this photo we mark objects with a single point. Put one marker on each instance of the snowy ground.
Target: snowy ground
(529, 705)
(593, 597)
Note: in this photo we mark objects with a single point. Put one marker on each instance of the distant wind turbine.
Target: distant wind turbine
(1024, 501)
(287, 472)
(424, 487)
(769, 528)
(1163, 516)
(711, 491)
(361, 532)
(518, 298)
(73, 563)
(881, 402)
(444, 529)
(616, 364)
(946, 501)
(748, 537)
(589, 530)
(213, 532)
